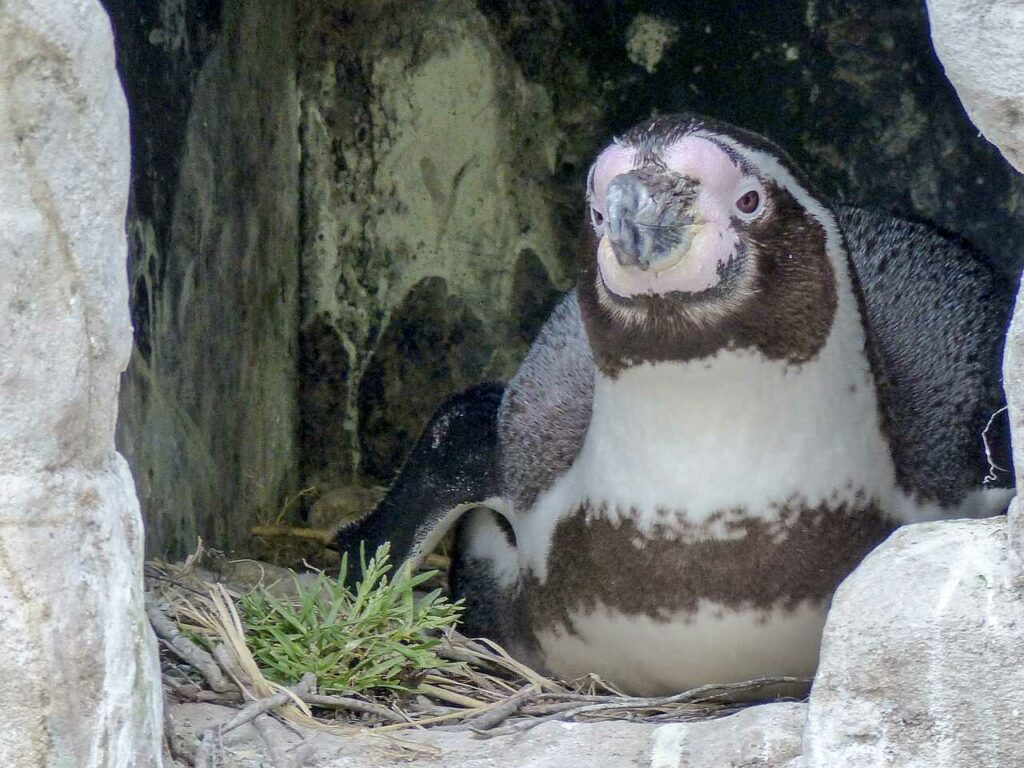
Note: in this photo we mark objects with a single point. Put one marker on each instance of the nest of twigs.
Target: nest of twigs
(207, 655)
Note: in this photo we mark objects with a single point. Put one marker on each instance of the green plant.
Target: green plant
(378, 635)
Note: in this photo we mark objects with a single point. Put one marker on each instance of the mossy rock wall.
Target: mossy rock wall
(209, 404)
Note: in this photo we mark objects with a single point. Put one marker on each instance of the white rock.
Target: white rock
(1013, 382)
(79, 682)
(767, 736)
(922, 661)
(648, 39)
(981, 46)
(760, 737)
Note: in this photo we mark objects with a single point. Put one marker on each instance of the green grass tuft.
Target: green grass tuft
(375, 636)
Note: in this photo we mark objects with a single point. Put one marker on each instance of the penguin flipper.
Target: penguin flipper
(452, 468)
(937, 315)
(547, 407)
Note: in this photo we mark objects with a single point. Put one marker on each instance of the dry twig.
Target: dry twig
(354, 705)
(212, 737)
(606, 704)
(501, 712)
(200, 660)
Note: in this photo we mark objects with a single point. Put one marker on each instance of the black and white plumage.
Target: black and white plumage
(747, 391)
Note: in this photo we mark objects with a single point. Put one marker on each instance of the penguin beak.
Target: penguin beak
(650, 219)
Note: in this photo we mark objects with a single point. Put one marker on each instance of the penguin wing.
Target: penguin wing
(936, 317)
(452, 468)
(546, 408)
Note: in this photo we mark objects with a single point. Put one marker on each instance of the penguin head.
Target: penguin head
(707, 236)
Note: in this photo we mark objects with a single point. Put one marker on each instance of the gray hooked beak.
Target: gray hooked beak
(649, 217)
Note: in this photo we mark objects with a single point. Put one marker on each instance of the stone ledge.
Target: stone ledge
(922, 663)
(766, 736)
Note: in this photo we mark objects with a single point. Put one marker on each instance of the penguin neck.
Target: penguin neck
(780, 299)
(735, 381)
(815, 427)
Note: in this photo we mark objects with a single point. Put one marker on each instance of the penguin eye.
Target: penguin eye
(749, 202)
(596, 218)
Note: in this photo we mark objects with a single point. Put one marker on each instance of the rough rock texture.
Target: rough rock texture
(209, 408)
(979, 43)
(431, 220)
(79, 683)
(761, 737)
(922, 664)
(767, 736)
(1013, 382)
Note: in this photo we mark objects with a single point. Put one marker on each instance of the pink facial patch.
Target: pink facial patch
(615, 160)
(705, 161)
(713, 238)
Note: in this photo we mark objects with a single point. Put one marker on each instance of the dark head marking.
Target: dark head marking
(706, 237)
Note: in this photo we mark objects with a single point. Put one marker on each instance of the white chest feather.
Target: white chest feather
(733, 432)
(649, 657)
(738, 431)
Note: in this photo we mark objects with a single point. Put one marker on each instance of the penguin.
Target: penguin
(748, 389)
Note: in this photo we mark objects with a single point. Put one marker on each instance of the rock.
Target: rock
(922, 661)
(79, 681)
(1015, 528)
(648, 39)
(766, 736)
(420, 200)
(209, 407)
(980, 45)
(1013, 383)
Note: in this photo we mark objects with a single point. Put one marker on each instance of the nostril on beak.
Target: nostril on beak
(626, 196)
(636, 221)
(634, 248)
(625, 241)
